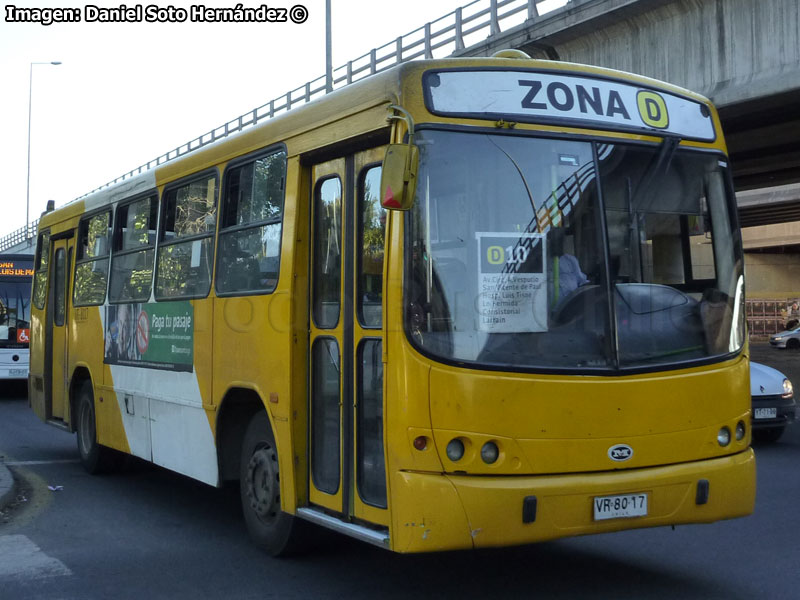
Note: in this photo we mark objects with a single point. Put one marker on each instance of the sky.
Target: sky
(126, 93)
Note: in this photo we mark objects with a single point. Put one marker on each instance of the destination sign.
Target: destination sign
(581, 101)
(9, 268)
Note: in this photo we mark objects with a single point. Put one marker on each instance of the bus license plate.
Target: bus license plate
(765, 413)
(620, 507)
(17, 372)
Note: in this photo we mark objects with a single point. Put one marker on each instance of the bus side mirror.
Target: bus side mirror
(399, 176)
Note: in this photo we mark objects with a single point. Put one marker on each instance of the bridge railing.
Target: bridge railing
(455, 31)
(19, 236)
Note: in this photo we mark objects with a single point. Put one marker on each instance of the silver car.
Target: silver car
(773, 401)
(786, 339)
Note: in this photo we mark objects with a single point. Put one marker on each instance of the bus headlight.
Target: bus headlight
(724, 437)
(455, 450)
(740, 431)
(489, 453)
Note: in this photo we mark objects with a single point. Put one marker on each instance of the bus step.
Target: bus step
(376, 538)
(60, 424)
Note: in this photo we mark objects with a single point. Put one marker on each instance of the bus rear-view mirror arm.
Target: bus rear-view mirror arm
(399, 172)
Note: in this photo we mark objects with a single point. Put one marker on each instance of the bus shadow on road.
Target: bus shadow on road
(549, 569)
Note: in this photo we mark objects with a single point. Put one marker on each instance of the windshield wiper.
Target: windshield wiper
(521, 175)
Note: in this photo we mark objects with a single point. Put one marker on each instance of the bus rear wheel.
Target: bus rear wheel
(94, 457)
(274, 531)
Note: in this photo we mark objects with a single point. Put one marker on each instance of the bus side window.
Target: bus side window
(134, 251)
(40, 272)
(250, 236)
(91, 264)
(186, 244)
(59, 314)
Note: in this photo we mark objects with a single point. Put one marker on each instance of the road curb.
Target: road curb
(7, 486)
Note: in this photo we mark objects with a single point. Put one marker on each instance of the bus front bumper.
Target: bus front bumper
(445, 512)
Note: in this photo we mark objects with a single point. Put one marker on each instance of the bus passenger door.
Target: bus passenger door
(347, 462)
(57, 330)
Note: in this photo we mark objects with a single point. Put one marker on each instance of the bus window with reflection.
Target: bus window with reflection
(372, 235)
(186, 249)
(672, 257)
(41, 270)
(250, 237)
(327, 253)
(91, 266)
(533, 253)
(134, 251)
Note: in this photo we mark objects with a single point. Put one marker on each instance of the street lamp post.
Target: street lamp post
(30, 104)
(328, 45)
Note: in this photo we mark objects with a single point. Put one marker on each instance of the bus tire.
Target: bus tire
(274, 531)
(94, 457)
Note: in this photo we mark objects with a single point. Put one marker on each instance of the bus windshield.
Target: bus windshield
(15, 312)
(540, 253)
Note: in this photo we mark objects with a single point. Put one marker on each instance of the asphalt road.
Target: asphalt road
(148, 533)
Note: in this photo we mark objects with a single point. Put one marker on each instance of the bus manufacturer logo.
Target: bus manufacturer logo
(620, 452)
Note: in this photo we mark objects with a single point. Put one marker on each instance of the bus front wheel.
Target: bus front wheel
(271, 529)
(94, 457)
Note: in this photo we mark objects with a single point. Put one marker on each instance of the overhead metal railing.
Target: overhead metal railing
(455, 31)
(19, 236)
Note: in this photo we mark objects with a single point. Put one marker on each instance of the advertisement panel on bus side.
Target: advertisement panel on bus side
(153, 335)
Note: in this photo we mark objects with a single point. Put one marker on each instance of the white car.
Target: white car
(786, 339)
(773, 402)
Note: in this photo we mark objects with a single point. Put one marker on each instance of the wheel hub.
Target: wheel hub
(263, 491)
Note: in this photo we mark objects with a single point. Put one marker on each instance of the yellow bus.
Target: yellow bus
(462, 303)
